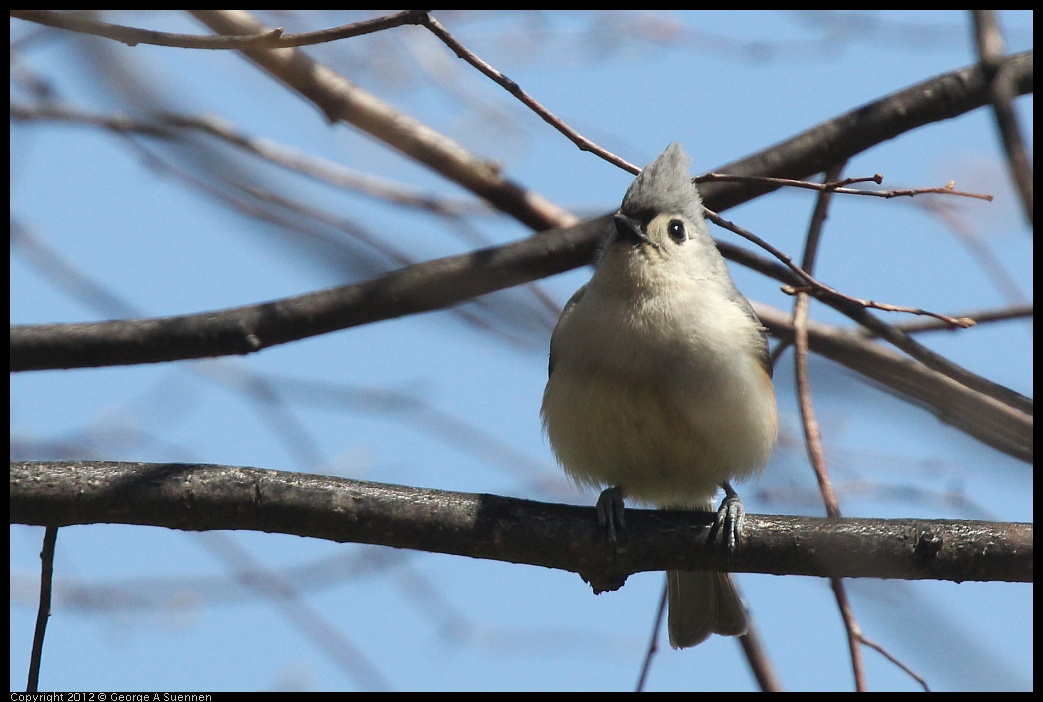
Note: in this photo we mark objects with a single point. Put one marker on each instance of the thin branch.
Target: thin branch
(341, 100)
(415, 288)
(816, 287)
(840, 186)
(990, 45)
(1014, 312)
(760, 662)
(855, 309)
(886, 654)
(854, 632)
(206, 497)
(814, 150)
(173, 125)
(812, 436)
(653, 643)
(265, 39)
(813, 439)
(987, 419)
(514, 89)
(43, 611)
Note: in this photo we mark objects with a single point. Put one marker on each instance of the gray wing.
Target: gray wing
(763, 353)
(576, 296)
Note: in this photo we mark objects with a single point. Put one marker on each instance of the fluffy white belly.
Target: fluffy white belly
(670, 444)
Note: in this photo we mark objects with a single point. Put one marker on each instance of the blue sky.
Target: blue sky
(438, 401)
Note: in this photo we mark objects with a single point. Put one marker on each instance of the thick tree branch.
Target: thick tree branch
(441, 283)
(990, 421)
(205, 497)
(936, 99)
(417, 288)
(434, 284)
(445, 282)
(813, 151)
(341, 100)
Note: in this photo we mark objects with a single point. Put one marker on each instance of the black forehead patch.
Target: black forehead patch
(643, 215)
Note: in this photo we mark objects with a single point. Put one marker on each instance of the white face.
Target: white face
(651, 249)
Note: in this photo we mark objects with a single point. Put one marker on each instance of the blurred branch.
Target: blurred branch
(175, 125)
(799, 321)
(988, 420)
(990, 264)
(934, 100)
(814, 150)
(341, 100)
(800, 157)
(267, 39)
(207, 497)
(442, 282)
(514, 89)
(416, 288)
(43, 610)
(1000, 83)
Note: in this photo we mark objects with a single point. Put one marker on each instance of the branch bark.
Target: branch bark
(206, 497)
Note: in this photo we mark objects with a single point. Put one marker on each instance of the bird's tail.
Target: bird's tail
(702, 603)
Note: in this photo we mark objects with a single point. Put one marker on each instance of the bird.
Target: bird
(660, 381)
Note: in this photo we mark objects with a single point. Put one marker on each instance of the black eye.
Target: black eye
(676, 231)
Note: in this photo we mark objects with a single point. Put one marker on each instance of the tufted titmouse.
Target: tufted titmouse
(660, 379)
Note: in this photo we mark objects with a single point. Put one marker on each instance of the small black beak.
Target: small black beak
(628, 229)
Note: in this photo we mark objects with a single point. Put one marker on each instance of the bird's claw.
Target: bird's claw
(610, 513)
(730, 517)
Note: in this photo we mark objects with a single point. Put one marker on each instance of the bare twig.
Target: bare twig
(514, 89)
(817, 288)
(171, 125)
(814, 150)
(887, 654)
(854, 632)
(855, 309)
(980, 316)
(264, 39)
(339, 99)
(653, 643)
(812, 436)
(995, 423)
(760, 663)
(841, 186)
(990, 46)
(43, 611)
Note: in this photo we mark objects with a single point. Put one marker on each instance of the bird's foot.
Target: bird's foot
(729, 519)
(610, 513)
